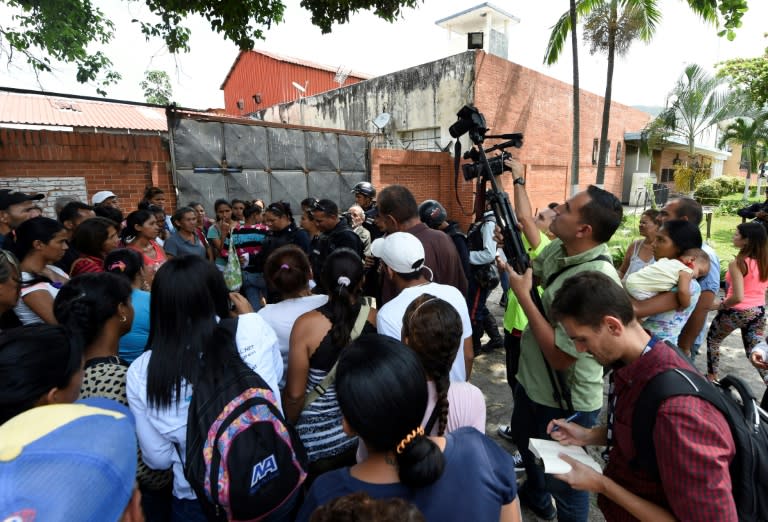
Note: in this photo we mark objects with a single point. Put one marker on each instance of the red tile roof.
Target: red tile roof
(42, 109)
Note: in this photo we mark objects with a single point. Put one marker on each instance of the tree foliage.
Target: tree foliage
(47, 31)
(157, 87)
(725, 14)
(749, 75)
(611, 27)
(696, 102)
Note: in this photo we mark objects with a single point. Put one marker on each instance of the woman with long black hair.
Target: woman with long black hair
(129, 264)
(140, 234)
(96, 311)
(317, 339)
(744, 304)
(188, 299)
(38, 243)
(288, 273)
(283, 229)
(382, 392)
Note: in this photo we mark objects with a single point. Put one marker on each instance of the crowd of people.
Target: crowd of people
(363, 327)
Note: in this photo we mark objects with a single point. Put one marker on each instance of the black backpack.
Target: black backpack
(243, 459)
(486, 276)
(748, 423)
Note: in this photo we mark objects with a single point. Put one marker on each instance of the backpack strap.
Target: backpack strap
(665, 385)
(551, 278)
(560, 391)
(322, 387)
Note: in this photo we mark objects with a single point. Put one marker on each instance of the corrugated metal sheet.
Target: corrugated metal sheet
(44, 109)
(271, 77)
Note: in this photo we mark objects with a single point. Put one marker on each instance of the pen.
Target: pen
(569, 419)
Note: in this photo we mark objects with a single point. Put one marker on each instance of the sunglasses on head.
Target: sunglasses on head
(315, 205)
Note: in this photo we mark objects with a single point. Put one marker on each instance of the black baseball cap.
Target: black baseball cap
(8, 198)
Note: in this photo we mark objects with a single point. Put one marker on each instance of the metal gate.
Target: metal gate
(218, 158)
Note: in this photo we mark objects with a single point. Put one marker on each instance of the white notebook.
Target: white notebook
(548, 450)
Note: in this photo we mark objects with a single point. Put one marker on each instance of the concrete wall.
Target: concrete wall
(124, 164)
(512, 98)
(421, 97)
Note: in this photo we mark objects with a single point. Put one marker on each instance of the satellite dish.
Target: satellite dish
(299, 87)
(381, 120)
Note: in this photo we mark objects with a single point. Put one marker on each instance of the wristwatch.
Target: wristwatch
(519, 181)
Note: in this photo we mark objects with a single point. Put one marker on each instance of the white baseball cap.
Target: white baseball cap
(401, 251)
(102, 196)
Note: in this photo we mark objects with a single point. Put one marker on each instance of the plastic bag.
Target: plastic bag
(233, 275)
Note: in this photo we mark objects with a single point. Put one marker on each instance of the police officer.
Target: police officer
(365, 194)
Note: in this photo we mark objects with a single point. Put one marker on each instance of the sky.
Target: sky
(373, 46)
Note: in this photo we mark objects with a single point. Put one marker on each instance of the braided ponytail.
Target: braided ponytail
(432, 328)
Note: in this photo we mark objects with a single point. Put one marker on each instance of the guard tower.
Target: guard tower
(484, 26)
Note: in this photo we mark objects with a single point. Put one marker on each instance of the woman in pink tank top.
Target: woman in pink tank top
(744, 303)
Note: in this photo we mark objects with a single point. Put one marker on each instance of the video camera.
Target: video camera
(471, 120)
(475, 169)
(485, 171)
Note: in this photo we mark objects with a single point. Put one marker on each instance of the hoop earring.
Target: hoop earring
(123, 319)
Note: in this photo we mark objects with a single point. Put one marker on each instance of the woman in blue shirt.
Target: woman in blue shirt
(130, 264)
(382, 391)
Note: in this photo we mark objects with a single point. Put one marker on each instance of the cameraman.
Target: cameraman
(582, 226)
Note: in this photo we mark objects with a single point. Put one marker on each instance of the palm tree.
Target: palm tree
(697, 102)
(752, 135)
(576, 103)
(649, 15)
(612, 30)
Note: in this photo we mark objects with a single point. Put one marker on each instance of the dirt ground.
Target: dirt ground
(489, 374)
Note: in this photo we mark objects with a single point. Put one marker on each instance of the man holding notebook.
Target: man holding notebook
(554, 379)
(692, 440)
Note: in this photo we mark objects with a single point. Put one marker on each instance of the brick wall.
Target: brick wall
(428, 175)
(516, 99)
(123, 163)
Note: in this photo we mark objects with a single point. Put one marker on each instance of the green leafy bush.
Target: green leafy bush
(709, 192)
(737, 184)
(728, 208)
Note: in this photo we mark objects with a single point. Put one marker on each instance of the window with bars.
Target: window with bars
(421, 139)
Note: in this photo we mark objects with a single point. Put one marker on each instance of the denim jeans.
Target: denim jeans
(529, 420)
(254, 287)
(186, 510)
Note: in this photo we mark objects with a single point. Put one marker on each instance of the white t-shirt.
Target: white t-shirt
(389, 319)
(660, 276)
(159, 430)
(25, 314)
(281, 317)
